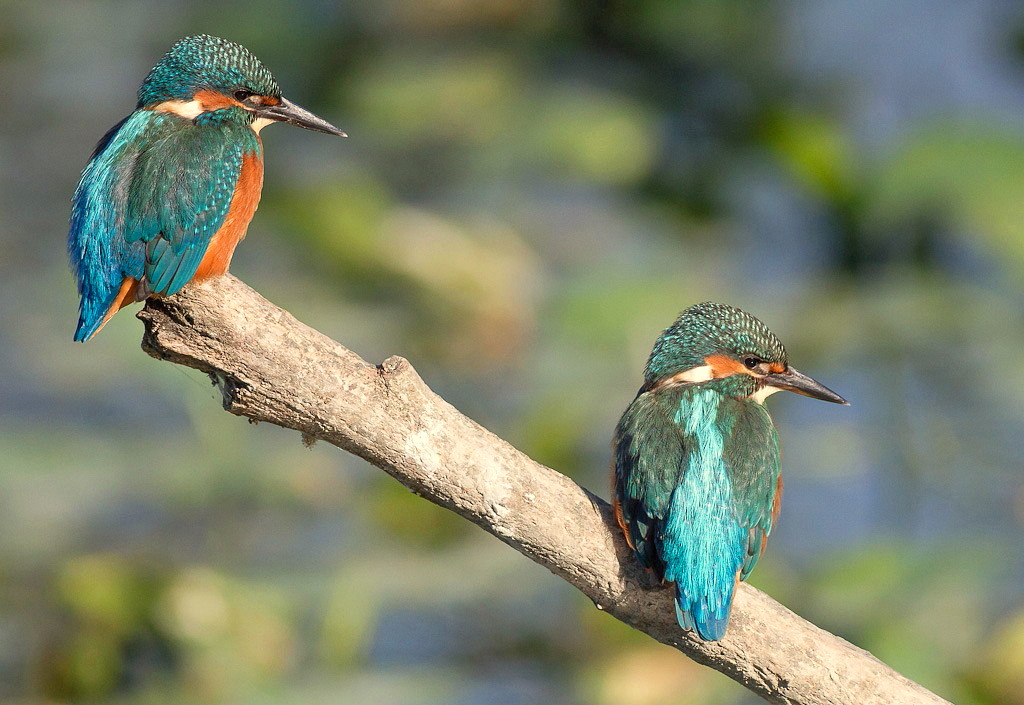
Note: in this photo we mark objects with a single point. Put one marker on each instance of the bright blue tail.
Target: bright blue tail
(88, 325)
(709, 622)
(702, 547)
(91, 314)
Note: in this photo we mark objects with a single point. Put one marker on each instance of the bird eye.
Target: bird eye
(751, 362)
(242, 95)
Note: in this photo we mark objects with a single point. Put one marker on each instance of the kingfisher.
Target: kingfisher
(697, 478)
(169, 191)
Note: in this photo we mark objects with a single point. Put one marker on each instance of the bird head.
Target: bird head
(201, 75)
(712, 341)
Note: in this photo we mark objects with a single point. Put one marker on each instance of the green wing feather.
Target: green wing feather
(752, 461)
(649, 465)
(179, 194)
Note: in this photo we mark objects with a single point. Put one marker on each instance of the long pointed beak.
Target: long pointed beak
(796, 381)
(287, 111)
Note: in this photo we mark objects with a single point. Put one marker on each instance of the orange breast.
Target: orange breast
(776, 506)
(243, 206)
(222, 245)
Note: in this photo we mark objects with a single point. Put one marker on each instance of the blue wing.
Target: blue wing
(153, 195)
(752, 458)
(690, 476)
(649, 456)
(702, 543)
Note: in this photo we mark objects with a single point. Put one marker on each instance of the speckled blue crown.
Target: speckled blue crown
(202, 61)
(710, 328)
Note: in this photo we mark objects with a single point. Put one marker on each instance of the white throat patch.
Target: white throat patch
(763, 393)
(259, 123)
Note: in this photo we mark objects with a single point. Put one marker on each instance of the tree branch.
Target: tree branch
(270, 367)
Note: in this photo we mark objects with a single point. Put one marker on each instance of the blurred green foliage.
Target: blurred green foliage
(532, 190)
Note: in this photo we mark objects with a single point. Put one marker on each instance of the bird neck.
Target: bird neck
(738, 386)
(210, 135)
(221, 116)
(713, 407)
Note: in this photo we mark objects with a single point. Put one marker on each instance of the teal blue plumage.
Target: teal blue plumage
(156, 196)
(148, 204)
(697, 473)
(697, 459)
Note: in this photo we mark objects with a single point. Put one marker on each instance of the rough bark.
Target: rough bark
(270, 367)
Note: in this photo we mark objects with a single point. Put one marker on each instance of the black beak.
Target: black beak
(287, 111)
(800, 383)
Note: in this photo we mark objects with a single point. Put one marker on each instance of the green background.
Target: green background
(531, 192)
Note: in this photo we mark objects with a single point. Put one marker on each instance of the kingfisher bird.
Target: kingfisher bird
(697, 478)
(169, 191)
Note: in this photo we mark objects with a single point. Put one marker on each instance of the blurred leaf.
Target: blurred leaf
(972, 172)
(88, 665)
(482, 279)
(595, 137)
(451, 16)
(106, 591)
(658, 675)
(733, 32)
(351, 616)
(391, 507)
(553, 431)
(817, 151)
(1000, 665)
(917, 610)
(407, 97)
(232, 635)
(338, 224)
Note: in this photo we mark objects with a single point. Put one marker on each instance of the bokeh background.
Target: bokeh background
(531, 192)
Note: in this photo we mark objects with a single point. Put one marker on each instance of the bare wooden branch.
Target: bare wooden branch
(270, 367)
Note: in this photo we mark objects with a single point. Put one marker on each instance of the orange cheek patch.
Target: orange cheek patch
(724, 366)
(211, 100)
(777, 367)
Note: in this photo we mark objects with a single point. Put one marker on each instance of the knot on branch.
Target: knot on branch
(394, 366)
